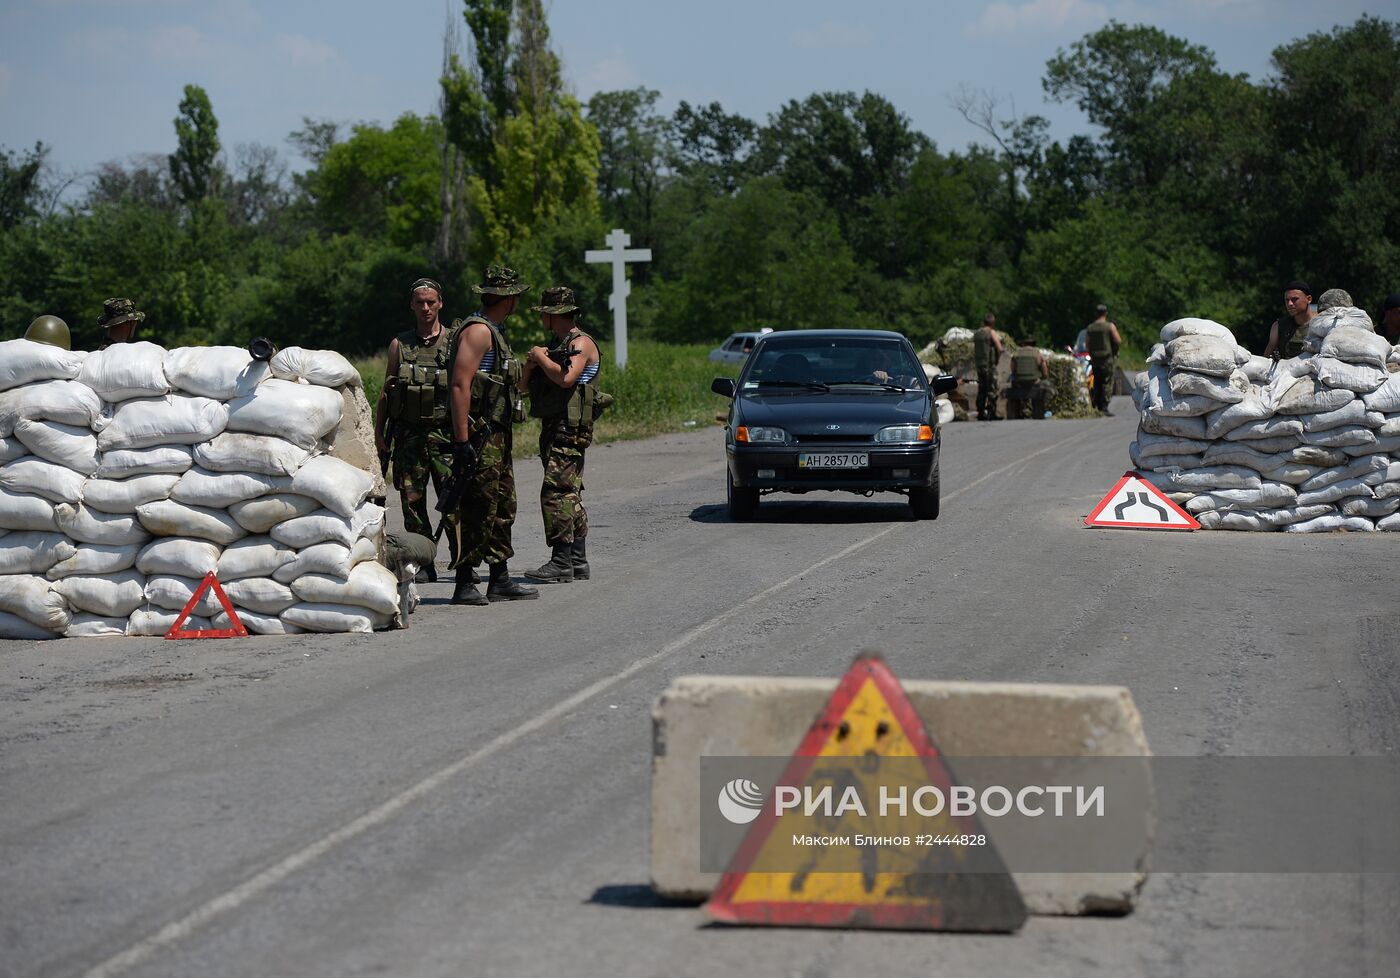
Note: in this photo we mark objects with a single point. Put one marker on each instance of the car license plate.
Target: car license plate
(833, 460)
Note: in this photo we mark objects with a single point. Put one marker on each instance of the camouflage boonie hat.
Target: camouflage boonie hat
(501, 280)
(118, 311)
(557, 301)
(1333, 298)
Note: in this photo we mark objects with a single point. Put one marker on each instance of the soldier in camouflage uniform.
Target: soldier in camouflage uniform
(119, 319)
(415, 403)
(485, 403)
(1101, 336)
(986, 351)
(562, 398)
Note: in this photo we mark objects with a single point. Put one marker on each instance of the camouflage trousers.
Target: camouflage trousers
(423, 455)
(1105, 378)
(561, 493)
(986, 393)
(488, 507)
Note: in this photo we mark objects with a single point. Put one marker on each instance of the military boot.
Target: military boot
(559, 569)
(501, 588)
(579, 556)
(465, 592)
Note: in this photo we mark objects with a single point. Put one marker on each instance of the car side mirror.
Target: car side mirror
(944, 384)
(723, 386)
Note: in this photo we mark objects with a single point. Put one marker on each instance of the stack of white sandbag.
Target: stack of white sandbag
(128, 474)
(1306, 445)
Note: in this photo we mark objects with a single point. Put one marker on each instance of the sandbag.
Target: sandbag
(1248, 408)
(1355, 470)
(1223, 390)
(175, 419)
(1388, 489)
(323, 525)
(1271, 519)
(1216, 477)
(260, 594)
(90, 526)
(173, 593)
(1319, 524)
(1195, 327)
(219, 490)
(126, 370)
(1158, 397)
(257, 556)
(92, 559)
(156, 622)
(85, 625)
(1163, 461)
(334, 618)
(33, 552)
(338, 485)
(27, 362)
(33, 598)
(125, 495)
(237, 451)
(11, 448)
(1239, 453)
(1308, 396)
(1390, 524)
(111, 596)
(1293, 473)
(179, 556)
(1338, 317)
(299, 413)
(1259, 369)
(1348, 435)
(1150, 444)
(370, 585)
(15, 627)
(56, 483)
(1265, 428)
(1158, 354)
(1370, 508)
(332, 559)
(65, 401)
(1210, 520)
(261, 515)
(1358, 346)
(171, 519)
(62, 443)
(1314, 455)
(161, 460)
(257, 624)
(1269, 495)
(1337, 491)
(220, 372)
(1204, 355)
(1385, 398)
(1159, 424)
(1353, 412)
(323, 367)
(1381, 446)
(1359, 378)
(21, 511)
(1389, 427)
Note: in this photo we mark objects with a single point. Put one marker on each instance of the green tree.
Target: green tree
(194, 164)
(711, 144)
(19, 184)
(631, 158)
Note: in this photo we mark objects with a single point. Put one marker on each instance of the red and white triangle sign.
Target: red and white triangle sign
(1136, 504)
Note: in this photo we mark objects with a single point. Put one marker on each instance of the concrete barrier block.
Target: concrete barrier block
(746, 716)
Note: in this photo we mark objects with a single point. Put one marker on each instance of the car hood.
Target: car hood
(810, 413)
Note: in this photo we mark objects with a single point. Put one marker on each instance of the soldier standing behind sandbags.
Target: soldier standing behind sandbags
(986, 350)
(561, 382)
(1103, 342)
(119, 318)
(412, 422)
(1288, 332)
(485, 376)
(1390, 318)
(1029, 372)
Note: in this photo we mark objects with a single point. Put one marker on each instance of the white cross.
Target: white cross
(619, 256)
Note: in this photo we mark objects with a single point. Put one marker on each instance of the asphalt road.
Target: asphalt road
(469, 797)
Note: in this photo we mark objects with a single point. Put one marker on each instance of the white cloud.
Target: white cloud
(304, 52)
(233, 15)
(833, 36)
(6, 76)
(1036, 15)
(178, 42)
(609, 75)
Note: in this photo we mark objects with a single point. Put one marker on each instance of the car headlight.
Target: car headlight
(758, 434)
(904, 434)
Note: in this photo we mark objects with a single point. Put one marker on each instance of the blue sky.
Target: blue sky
(101, 79)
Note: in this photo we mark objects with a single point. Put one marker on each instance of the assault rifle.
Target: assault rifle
(450, 500)
(390, 429)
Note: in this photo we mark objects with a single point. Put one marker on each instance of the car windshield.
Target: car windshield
(821, 363)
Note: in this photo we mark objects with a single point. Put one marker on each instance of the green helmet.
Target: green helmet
(50, 330)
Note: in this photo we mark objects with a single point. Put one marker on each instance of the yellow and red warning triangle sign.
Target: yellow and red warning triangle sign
(1136, 504)
(868, 717)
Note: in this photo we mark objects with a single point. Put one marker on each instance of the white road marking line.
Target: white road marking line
(237, 896)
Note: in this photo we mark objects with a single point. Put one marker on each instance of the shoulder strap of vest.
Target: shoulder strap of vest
(460, 328)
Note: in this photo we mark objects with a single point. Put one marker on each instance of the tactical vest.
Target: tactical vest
(1290, 337)
(494, 397)
(575, 405)
(1099, 340)
(984, 351)
(1025, 366)
(418, 393)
